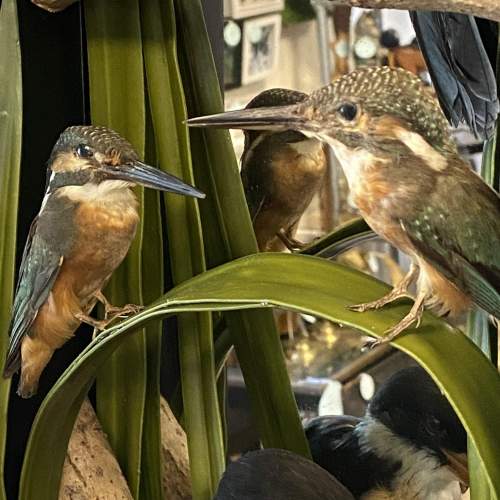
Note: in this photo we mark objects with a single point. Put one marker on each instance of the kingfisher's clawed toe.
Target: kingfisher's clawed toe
(291, 243)
(413, 317)
(398, 292)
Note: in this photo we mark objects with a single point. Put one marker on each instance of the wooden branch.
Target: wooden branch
(90, 469)
(489, 9)
(176, 476)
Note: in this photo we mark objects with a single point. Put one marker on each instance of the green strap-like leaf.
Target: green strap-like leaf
(10, 154)
(151, 485)
(186, 253)
(117, 100)
(229, 235)
(300, 283)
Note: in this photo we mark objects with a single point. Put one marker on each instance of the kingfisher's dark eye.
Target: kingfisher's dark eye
(84, 151)
(348, 111)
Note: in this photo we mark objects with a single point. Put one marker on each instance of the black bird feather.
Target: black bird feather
(274, 474)
(458, 50)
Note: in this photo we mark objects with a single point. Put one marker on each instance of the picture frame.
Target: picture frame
(260, 49)
(238, 9)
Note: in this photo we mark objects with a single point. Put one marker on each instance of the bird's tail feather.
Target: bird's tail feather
(460, 68)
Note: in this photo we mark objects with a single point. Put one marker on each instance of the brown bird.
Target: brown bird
(83, 231)
(281, 172)
(408, 181)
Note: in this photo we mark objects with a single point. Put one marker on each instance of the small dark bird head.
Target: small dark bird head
(378, 109)
(94, 155)
(271, 98)
(411, 405)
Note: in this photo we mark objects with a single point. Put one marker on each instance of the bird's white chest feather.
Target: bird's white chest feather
(421, 476)
(113, 195)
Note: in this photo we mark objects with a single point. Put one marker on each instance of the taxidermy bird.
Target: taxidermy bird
(281, 172)
(82, 232)
(460, 52)
(409, 444)
(274, 474)
(408, 182)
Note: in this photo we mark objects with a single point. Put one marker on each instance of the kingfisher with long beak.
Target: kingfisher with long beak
(281, 172)
(408, 182)
(81, 234)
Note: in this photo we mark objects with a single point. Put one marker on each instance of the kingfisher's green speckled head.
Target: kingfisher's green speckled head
(94, 155)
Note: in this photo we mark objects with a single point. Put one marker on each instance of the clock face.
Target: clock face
(365, 47)
(342, 48)
(232, 34)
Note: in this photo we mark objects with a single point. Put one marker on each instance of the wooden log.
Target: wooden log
(176, 476)
(91, 470)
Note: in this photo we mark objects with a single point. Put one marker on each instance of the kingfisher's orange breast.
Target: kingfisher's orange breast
(103, 239)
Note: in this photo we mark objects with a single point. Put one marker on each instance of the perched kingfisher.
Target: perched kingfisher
(82, 232)
(274, 474)
(409, 444)
(408, 181)
(281, 172)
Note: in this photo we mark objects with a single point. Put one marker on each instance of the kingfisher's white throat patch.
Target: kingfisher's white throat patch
(421, 148)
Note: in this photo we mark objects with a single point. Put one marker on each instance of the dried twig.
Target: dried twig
(489, 9)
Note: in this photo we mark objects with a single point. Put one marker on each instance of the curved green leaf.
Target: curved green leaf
(186, 255)
(340, 240)
(295, 282)
(228, 234)
(10, 153)
(116, 85)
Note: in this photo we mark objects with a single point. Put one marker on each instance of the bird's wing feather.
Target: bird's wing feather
(255, 175)
(460, 68)
(39, 268)
(461, 238)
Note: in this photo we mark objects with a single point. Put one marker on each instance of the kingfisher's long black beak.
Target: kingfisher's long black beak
(140, 173)
(272, 118)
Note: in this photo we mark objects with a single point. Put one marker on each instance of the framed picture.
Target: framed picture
(238, 9)
(260, 51)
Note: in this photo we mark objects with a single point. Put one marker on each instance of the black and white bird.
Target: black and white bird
(409, 445)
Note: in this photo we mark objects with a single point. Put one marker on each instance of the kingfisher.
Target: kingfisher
(85, 226)
(280, 172)
(409, 444)
(408, 182)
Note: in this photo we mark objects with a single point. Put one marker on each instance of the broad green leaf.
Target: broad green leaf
(229, 235)
(117, 100)
(186, 253)
(301, 283)
(10, 153)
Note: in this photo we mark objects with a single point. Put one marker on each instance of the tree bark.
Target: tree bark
(489, 9)
(176, 476)
(90, 469)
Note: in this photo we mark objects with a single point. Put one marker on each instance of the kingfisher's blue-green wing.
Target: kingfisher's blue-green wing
(460, 237)
(39, 268)
(256, 175)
